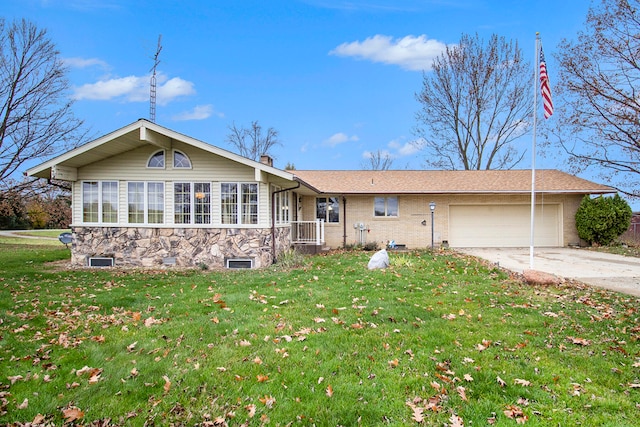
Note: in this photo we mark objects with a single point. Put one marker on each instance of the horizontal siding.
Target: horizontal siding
(206, 167)
(131, 166)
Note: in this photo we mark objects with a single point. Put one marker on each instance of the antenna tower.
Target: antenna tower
(156, 61)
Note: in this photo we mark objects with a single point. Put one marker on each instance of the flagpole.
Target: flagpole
(533, 150)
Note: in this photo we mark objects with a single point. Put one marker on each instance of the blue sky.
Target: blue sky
(337, 79)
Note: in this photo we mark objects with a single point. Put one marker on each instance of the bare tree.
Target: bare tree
(377, 161)
(251, 142)
(598, 119)
(36, 120)
(475, 102)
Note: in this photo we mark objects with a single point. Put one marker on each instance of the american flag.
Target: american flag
(545, 89)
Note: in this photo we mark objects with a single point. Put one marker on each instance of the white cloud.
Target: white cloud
(135, 89)
(339, 138)
(84, 62)
(410, 52)
(172, 89)
(406, 149)
(199, 112)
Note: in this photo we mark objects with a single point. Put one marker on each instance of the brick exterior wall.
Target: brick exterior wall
(408, 228)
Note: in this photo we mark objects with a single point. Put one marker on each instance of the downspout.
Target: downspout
(273, 220)
(344, 223)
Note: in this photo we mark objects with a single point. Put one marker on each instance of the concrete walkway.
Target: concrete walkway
(616, 272)
(20, 233)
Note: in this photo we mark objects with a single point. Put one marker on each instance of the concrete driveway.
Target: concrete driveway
(615, 272)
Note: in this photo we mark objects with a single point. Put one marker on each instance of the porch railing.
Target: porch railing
(308, 232)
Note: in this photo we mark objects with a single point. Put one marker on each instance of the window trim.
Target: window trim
(328, 200)
(282, 203)
(173, 160)
(193, 214)
(100, 193)
(164, 160)
(386, 207)
(239, 203)
(145, 203)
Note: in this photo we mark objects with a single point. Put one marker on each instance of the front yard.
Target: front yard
(437, 339)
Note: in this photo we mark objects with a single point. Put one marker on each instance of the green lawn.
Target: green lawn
(437, 339)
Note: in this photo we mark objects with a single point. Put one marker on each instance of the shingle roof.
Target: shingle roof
(441, 182)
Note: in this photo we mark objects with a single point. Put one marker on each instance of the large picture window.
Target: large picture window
(192, 202)
(239, 203)
(328, 208)
(145, 202)
(100, 201)
(385, 206)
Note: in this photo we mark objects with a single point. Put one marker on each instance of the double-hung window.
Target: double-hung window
(281, 205)
(385, 206)
(145, 202)
(239, 203)
(100, 201)
(328, 209)
(192, 202)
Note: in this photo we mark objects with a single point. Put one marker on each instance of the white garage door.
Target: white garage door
(473, 226)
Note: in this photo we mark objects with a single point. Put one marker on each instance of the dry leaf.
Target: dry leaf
(15, 378)
(132, 346)
(94, 375)
(24, 404)
(262, 378)
(268, 401)
(329, 390)
(579, 341)
(501, 382)
(523, 383)
(462, 392)
(456, 421)
(468, 377)
(251, 409)
(72, 414)
(167, 383)
(418, 414)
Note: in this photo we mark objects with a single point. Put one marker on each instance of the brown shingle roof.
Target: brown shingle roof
(439, 182)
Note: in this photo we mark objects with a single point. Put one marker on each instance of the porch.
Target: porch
(308, 236)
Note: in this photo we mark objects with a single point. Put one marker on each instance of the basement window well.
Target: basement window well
(98, 261)
(236, 263)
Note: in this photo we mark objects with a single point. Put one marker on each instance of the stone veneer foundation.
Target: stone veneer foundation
(186, 247)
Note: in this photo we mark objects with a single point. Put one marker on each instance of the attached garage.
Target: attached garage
(504, 225)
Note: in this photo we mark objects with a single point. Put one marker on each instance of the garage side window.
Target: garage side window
(385, 206)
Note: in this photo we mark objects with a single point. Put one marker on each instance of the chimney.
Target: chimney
(265, 159)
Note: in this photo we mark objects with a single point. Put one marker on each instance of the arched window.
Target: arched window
(156, 161)
(180, 160)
